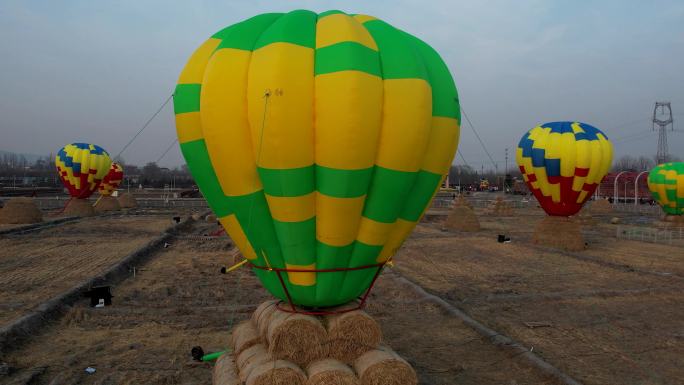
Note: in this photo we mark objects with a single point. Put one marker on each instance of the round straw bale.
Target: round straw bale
(127, 201)
(106, 203)
(244, 336)
(351, 334)
(79, 208)
(384, 367)
(250, 358)
(225, 372)
(297, 337)
(20, 211)
(279, 372)
(462, 218)
(559, 232)
(330, 372)
(262, 316)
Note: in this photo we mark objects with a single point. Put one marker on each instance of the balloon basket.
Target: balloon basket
(290, 307)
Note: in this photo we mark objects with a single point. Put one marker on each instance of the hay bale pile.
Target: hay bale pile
(277, 347)
(461, 217)
(601, 206)
(79, 208)
(559, 232)
(585, 218)
(20, 211)
(668, 221)
(127, 201)
(499, 208)
(106, 203)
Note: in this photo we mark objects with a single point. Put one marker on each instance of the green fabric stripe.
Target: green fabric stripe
(244, 35)
(291, 182)
(197, 158)
(347, 56)
(356, 282)
(297, 241)
(421, 195)
(297, 27)
(186, 98)
(387, 194)
(444, 95)
(328, 13)
(399, 60)
(343, 183)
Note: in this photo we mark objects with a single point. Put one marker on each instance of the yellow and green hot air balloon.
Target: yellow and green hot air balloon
(81, 167)
(319, 141)
(666, 182)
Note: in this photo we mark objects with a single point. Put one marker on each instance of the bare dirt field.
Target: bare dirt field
(39, 265)
(611, 314)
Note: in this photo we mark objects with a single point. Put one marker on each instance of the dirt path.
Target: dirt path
(37, 266)
(180, 300)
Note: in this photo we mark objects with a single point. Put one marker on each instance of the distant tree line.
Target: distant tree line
(16, 170)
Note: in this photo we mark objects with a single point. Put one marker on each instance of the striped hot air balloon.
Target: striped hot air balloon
(112, 180)
(319, 141)
(563, 163)
(666, 182)
(81, 167)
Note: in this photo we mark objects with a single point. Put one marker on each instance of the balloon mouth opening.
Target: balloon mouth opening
(289, 306)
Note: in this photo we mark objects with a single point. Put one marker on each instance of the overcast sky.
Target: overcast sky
(95, 71)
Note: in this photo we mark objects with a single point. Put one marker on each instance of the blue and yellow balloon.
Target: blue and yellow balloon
(563, 164)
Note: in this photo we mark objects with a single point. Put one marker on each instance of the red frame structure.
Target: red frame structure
(293, 307)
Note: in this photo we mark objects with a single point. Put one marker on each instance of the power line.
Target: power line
(478, 138)
(144, 126)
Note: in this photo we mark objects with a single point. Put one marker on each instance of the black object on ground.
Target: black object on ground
(197, 353)
(100, 296)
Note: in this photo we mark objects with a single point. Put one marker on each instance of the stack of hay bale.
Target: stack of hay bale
(559, 232)
(499, 208)
(462, 217)
(127, 201)
(20, 211)
(106, 203)
(277, 347)
(78, 208)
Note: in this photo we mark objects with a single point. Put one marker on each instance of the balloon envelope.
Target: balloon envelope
(563, 163)
(319, 141)
(81, 167)
(666, 182)
(112, 180)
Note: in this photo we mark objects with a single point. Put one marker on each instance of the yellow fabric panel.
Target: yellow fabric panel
(364, 18)
(348, 119)
(292, 209)
(595, 166)
(442, 145)
(568, 154)
(286, 71)
(232, 226)
(406, 123)
(194, 70)
(582, 160)
(226, 130)
(337, 219)
(188, 127)
(680, 186)
(553, 146)
(576, 128)
(374, 233)
(339, 27)
(607, 154)
(540, 141)
(302, 279)
(401, 230)
(582, 195)
(554, 188)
